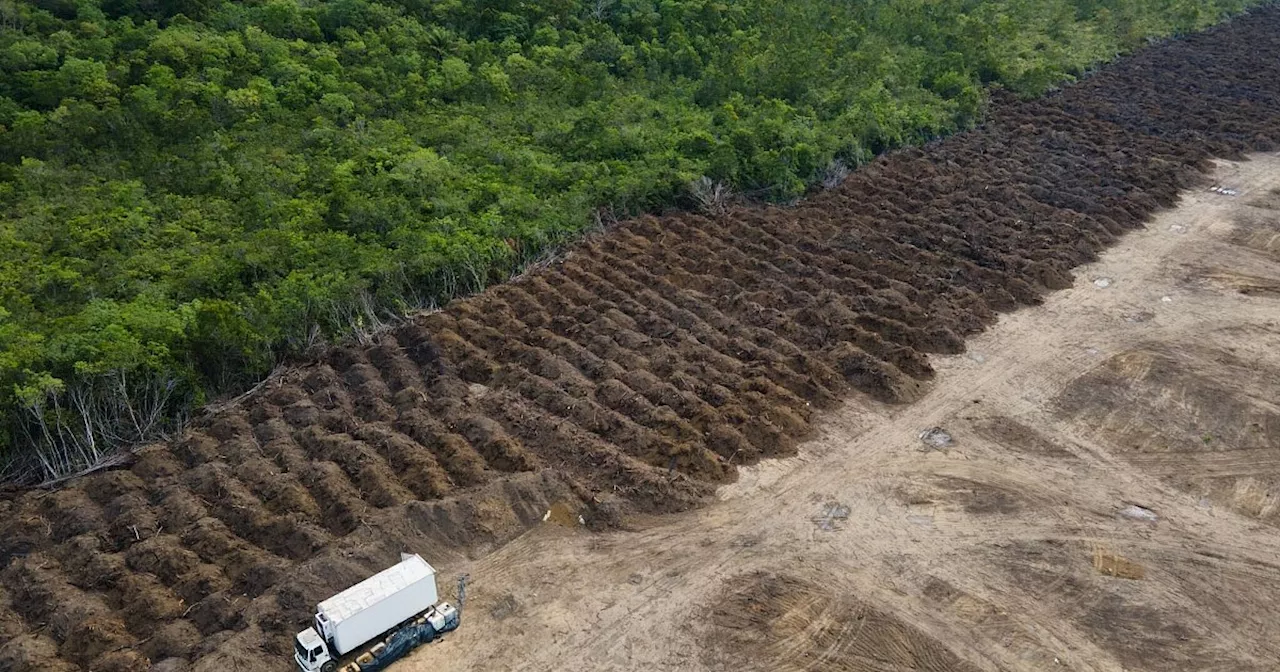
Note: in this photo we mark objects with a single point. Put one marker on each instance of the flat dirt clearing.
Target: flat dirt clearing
(1153, 381)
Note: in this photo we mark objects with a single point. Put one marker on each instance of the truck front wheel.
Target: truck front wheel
(329, 666)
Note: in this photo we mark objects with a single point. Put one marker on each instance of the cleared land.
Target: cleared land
(1152, 381)
(637, 374)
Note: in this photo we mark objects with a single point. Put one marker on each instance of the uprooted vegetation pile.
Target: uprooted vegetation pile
(631, 376)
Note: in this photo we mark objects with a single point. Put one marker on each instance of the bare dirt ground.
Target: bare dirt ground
(1153, 381)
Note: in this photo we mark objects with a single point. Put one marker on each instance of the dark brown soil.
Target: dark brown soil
(772, 622)
(631, 376)
(1124, 619)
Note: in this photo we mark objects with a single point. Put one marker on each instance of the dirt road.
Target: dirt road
(1152, 383)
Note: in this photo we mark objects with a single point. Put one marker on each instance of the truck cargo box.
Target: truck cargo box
(377, 604)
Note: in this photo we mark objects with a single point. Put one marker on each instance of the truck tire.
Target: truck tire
(329, 666)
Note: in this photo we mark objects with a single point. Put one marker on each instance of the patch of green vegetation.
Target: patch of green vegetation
(191, 190)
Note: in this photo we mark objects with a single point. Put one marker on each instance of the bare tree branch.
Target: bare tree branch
(90, 424)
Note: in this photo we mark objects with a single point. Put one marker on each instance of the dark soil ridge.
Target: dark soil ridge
(632, 376)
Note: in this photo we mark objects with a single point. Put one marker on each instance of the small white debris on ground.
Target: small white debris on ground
(936, 437)
(1141, 513)
(832, 514)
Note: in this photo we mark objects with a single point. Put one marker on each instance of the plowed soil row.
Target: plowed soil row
(631, 376)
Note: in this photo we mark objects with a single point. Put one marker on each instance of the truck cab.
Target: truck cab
(310, 652)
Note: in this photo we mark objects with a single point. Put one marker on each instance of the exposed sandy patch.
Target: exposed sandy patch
(1154, 381)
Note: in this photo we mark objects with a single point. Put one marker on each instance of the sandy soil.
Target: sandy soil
(1154, 381)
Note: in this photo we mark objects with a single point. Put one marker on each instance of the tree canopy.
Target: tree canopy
(191, 190)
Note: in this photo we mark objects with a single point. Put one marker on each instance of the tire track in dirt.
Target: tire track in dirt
(632, 375)
(1013, 547)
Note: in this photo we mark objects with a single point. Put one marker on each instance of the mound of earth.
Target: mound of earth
(780, 622)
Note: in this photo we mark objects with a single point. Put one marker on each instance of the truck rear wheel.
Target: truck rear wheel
(329, 666)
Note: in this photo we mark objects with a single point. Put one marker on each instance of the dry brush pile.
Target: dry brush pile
(631, 376)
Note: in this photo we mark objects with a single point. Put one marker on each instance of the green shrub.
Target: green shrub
(191, 190)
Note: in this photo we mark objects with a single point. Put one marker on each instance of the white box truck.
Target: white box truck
(399, 603)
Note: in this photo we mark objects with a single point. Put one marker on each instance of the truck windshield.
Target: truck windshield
(302, 652)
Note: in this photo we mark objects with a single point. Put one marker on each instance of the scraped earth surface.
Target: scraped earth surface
(1015, 546)
(642, 379)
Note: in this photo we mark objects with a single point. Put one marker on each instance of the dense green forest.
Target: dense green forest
(192, 190)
